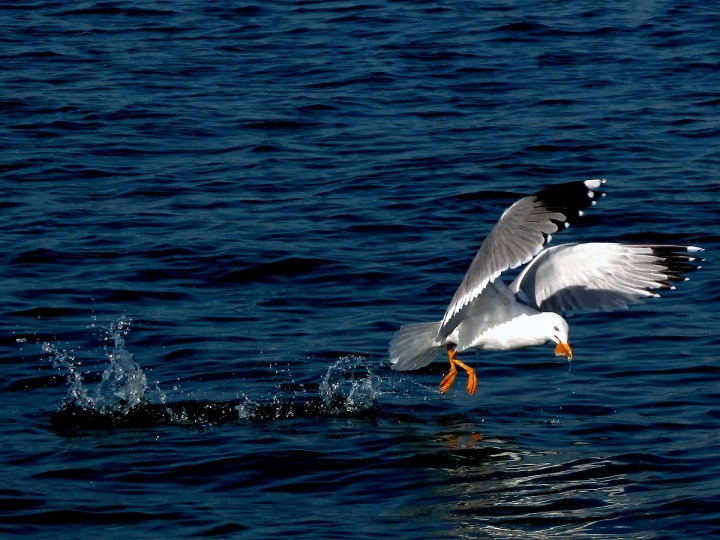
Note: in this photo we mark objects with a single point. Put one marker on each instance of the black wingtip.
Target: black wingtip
(676, 261)
(570, 199)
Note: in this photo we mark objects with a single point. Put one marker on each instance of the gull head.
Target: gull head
(557, 330)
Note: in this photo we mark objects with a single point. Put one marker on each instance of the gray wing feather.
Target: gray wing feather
(518, 236)
(494, 306)
(585, 278)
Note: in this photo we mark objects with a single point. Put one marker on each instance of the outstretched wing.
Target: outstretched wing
(584, 278)
(518, 236)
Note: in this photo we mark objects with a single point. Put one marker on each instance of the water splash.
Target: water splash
(77, 394)
(123, 383)
(347, 389)
(349, 386)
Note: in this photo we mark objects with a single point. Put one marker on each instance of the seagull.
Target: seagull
(487, 314)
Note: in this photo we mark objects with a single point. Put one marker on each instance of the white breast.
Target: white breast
(522, 330)
(514, 334)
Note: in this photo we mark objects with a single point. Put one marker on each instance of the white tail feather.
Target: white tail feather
(414, 346)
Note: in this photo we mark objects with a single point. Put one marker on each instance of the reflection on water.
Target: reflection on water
(501, 492)
(555, 501)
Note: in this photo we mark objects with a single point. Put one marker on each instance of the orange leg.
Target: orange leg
(450, 377)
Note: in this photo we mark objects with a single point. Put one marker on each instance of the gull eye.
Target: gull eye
(557, 329)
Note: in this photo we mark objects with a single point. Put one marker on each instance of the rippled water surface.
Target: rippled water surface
(215, 215)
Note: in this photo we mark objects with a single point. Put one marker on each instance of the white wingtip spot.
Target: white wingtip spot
(581, 213)
(693, 248)
(549, 238)
(591, 194)
(567, 225)
(593, 203)
(672, 287)
(594, 183)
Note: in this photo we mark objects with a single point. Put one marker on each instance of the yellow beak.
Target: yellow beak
(563, 349)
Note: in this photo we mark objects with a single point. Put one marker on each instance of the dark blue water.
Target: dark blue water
(242, 202)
